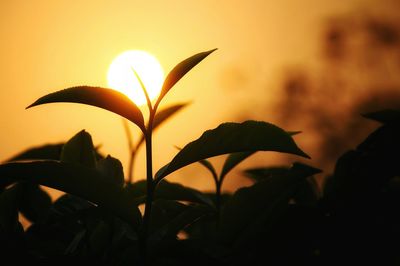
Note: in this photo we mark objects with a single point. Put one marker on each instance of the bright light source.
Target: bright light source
(122, 78)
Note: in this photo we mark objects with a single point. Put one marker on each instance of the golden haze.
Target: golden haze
(51, 45)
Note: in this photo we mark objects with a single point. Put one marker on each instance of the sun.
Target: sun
(121, 75)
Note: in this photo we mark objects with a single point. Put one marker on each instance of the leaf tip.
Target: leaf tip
(302, 153)
(31, 105)
(210, 51)
(293, 133)
(310, 170)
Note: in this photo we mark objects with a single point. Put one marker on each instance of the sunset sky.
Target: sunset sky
(50, 45)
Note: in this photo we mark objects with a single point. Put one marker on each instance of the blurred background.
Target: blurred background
(310, 65)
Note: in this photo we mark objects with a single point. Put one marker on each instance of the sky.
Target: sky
(51, 45)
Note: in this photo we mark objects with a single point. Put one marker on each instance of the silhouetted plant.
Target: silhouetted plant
(98, 221)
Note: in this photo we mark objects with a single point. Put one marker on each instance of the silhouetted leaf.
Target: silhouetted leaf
(111, 168)
(100, 237)
(11, 232)
(73, 246)
(170, 191)
(45, 152)
(236, 158)
(307, 193)
(176, 191)
(78, 180)
(66, 230)
(104, 98)
(8, 210)
(179, 71)
(163, 115)
(163, 211)
(79, 149)
(253, 210)
(293, 133)
(207, 164)
(177, 216)
(146, 94)
(387, 116)
(166, 113)
(121, 233)
(262, 173)
(248, 136)
(68, 205)
(233, 160)
(33, 202)
(365, 171)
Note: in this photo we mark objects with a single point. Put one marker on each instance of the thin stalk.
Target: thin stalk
(132, 150)
(150, 184)
(130, 165)
(128, 133)
(218, 185)
(149, 170)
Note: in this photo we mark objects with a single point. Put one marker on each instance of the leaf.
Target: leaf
(293, 133)
(207, 164)
(163, 115)
(100, 237)
(111, 168)
(146, 95)
(179, 71)
(203, 229)
(248, 136)
(387, 116)
(170, 191)
(68, 205)
(78, 180)
(33, 202)
(179, 217)
(365, 171)
(79, 149)
(48, 151)
(176, 191)
(76, 241)
(262, 173)
(45, 152)
(233, 160)
(8, 211)
(104, 98)
(12, 234)
(163, 211)
(166, 113)
(307, 193)
(254, 210)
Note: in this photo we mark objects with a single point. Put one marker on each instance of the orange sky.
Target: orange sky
(50, 45)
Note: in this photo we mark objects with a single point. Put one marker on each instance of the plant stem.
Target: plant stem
(132, 150)
(130, 165)
(218, 184)
(150, 186)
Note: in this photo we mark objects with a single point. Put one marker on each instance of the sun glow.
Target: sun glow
(121, 75)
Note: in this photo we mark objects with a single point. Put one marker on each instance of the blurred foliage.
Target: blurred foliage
(357, 70)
